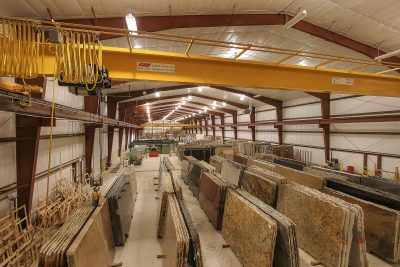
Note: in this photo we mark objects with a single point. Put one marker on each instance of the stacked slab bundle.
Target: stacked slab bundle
(216, 162)
(212, 197)
(232, 171)
(121, 203)
(294, 164)
(328, 228)
(260, 187)
(253, 148)
(241, 158)
(324, 173)
(53, 252)
(382, 226)
(386, 185)
(366, 193)
(194, 175)
(261, 164)
(165, 189)
(277, 178)
(175, 237)
(194, 254)
(253, 246)
(286, 250)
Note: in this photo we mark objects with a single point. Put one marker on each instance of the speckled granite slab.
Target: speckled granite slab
(212, 198)
(324, 225)
(260, 187)
(300, 177)
(250, 233)
(382, 226)
(324, 173)
(277, 178)
(286, 249)
(175, 240)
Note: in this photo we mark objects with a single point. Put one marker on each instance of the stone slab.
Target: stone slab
(300, 177)
(254, 246)
(260, 187)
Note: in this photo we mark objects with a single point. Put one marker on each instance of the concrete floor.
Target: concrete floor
(142, 246)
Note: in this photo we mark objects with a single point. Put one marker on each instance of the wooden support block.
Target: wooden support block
(225, 246)
(161, 256)
(116, 264)
(315, 262)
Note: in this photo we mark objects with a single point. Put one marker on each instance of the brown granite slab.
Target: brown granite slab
(260, 187)
(241, 158)
(216, 162)
(324, 226)
(212, 198)
(382, 226)
(250, 233)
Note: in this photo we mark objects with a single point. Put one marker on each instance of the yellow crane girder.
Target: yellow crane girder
(202, 70)
(168, 125)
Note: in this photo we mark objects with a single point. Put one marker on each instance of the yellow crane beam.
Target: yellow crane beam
(167, 125)
(124, 64)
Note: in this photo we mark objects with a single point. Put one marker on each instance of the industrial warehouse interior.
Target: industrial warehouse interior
(200, 133)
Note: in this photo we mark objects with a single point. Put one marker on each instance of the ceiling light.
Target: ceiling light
(241, 97)
(157, 94)
(179, 106)
(190, 97)
(387, 55)
(131, 23)
(213, 107)
(256, 96)
(199, 89)
(296, 19)
(147, 104)
(223, 104)
(194, 114)
(184, 102)
(214, 103)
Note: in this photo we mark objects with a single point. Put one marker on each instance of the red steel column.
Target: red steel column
(111, 113)
(91, 104)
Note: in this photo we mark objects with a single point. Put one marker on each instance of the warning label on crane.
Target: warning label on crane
(155, 67)
(343, 81)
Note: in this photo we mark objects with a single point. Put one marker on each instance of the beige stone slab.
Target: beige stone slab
(260, 187)
(250, 233)
(323, 226)
(300, 177)
(94, 246)
(277, 178)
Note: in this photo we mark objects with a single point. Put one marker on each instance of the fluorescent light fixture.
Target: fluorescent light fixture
(199, 89)
(213, 107)
(223, 104)
(184, 102)
(194, 114)
(300, 16)
(131, 23)
(214, 103)
(256, 96)
(157, 94)
(387, 55)
(183, 98)
(241, 97)
(190, 97)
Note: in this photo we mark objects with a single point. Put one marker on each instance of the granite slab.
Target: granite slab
(250, 233)
(260, 187)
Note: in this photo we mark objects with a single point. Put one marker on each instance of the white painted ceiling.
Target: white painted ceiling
(373, 22)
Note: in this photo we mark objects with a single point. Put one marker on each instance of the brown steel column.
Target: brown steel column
(213, 124)
(127, 133)
(234, 121)
(206, 125)
(223, 127)
(91, 104)
(27, 146)
(279, 117)
(378, 171)
(195, 122)
(253, 120)
(121, 117)
(111, 113)
(325, 114)
(201, 125)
